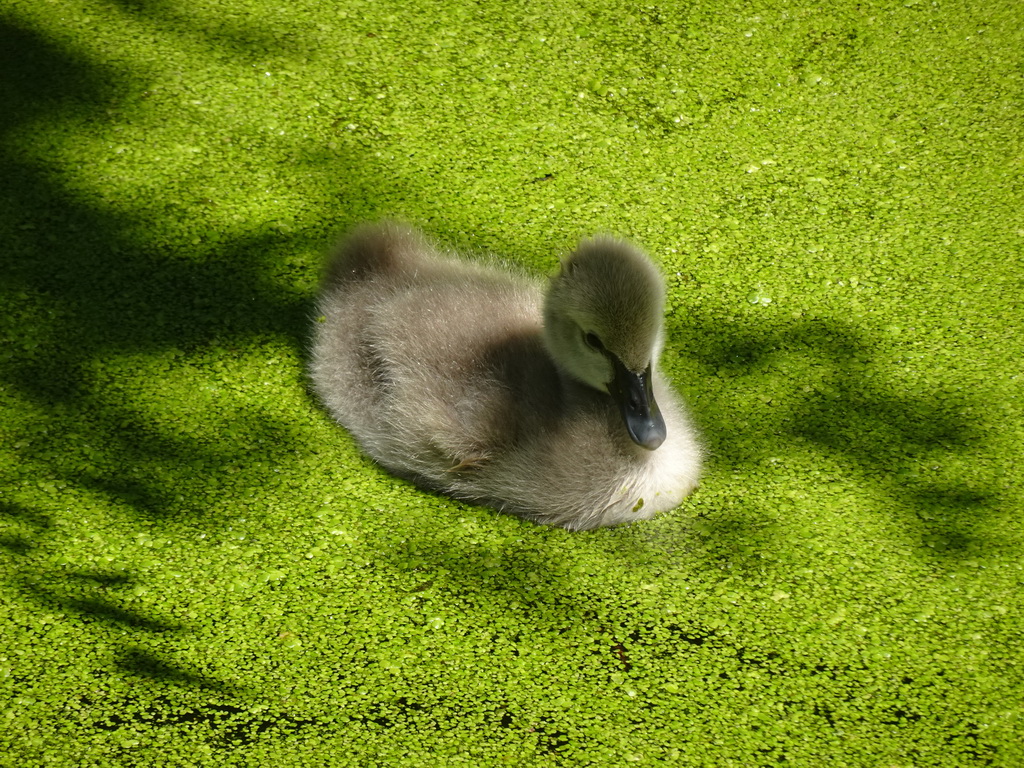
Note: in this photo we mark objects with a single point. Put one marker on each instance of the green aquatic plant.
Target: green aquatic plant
(199, 568)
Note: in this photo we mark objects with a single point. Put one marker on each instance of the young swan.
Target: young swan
(471, 381)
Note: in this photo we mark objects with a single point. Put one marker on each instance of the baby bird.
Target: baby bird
(477, 382)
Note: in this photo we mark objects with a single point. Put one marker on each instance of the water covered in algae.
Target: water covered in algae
(200, 569)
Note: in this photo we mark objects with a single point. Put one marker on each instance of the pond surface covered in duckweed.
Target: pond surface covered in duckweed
(199, 568)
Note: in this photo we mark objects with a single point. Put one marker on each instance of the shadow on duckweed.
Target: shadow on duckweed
(85, 287)
(25, 526)
(145, 663)
(79, 285)
(93, 596)
(822, 388)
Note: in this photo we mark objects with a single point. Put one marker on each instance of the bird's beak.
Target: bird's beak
(635, 396)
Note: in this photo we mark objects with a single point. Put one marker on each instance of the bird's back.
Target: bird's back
(429, 361)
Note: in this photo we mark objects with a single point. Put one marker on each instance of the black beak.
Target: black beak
(635, 396)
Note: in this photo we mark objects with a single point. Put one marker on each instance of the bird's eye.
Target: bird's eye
(593, 342)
